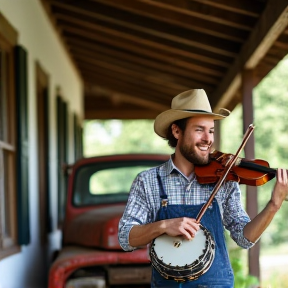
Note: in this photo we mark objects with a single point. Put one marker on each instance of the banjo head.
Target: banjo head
(180, 259)
(178, 251)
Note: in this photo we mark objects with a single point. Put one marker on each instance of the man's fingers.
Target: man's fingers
(191, 226)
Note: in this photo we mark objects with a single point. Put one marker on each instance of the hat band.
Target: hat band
(197, 111)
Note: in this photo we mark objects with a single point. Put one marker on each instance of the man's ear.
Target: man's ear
(175, 131)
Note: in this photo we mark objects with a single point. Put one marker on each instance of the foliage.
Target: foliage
(118, 137)
(242, 280)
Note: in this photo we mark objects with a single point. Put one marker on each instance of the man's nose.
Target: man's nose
(207, 136)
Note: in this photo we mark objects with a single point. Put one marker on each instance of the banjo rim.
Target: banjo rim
(188, 272)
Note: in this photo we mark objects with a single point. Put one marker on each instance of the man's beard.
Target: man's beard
(191, 155)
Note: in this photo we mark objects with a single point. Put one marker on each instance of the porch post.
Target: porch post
(251, 191)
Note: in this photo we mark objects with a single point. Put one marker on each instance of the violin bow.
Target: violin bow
(225, 173)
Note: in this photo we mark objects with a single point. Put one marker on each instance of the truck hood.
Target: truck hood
(96, 228)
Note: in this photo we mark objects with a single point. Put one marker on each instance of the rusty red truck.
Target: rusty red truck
(97, 192)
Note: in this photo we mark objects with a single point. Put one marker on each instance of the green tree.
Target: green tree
(118, 137)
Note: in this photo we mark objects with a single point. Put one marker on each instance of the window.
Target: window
(8, 213)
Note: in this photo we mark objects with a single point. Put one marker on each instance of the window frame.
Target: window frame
(8, 175)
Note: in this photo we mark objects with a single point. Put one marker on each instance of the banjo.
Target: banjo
(186, 260)
(176, 258)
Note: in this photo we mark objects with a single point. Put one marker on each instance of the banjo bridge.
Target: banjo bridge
(177, 243)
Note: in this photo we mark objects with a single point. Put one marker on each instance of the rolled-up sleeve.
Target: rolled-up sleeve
(235, 217)
(137, 212)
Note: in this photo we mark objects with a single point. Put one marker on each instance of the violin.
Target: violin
(250, 172)
(235, 169)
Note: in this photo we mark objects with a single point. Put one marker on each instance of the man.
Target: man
(189, 127)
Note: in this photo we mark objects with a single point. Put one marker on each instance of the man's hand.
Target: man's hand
(141, 235)
(280, 191)
(185, 226)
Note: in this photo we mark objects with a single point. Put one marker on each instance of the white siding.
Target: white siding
(38, 37)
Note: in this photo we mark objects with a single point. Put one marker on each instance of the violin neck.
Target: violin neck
(256, 167)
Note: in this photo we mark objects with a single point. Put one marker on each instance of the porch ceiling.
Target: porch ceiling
(136, 55)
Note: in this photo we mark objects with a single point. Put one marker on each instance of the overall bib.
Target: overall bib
(220, 274)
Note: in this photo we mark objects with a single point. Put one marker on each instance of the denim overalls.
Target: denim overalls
(220, 274)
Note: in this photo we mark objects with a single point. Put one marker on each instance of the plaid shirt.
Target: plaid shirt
(144, 201)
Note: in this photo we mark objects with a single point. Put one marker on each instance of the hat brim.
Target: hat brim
(166, 118)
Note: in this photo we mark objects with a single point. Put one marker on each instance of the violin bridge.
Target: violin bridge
(238, 161)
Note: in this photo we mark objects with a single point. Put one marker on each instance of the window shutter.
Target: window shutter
(22, 146)
(78, 139)
(62, 147)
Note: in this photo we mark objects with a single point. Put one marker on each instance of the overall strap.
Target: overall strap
(162, 193)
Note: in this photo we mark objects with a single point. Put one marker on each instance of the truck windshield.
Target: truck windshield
(106, 183)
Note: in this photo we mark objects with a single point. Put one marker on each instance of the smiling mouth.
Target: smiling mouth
(203, 147)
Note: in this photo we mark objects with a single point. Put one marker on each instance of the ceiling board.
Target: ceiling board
(136, 55)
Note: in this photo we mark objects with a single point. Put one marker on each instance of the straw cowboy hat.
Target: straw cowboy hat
(187, 104)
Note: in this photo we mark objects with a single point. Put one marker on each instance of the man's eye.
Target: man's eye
(211, 132)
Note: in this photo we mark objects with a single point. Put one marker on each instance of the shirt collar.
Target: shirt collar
(170, 167)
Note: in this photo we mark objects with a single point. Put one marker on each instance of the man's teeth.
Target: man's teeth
(203, 148)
